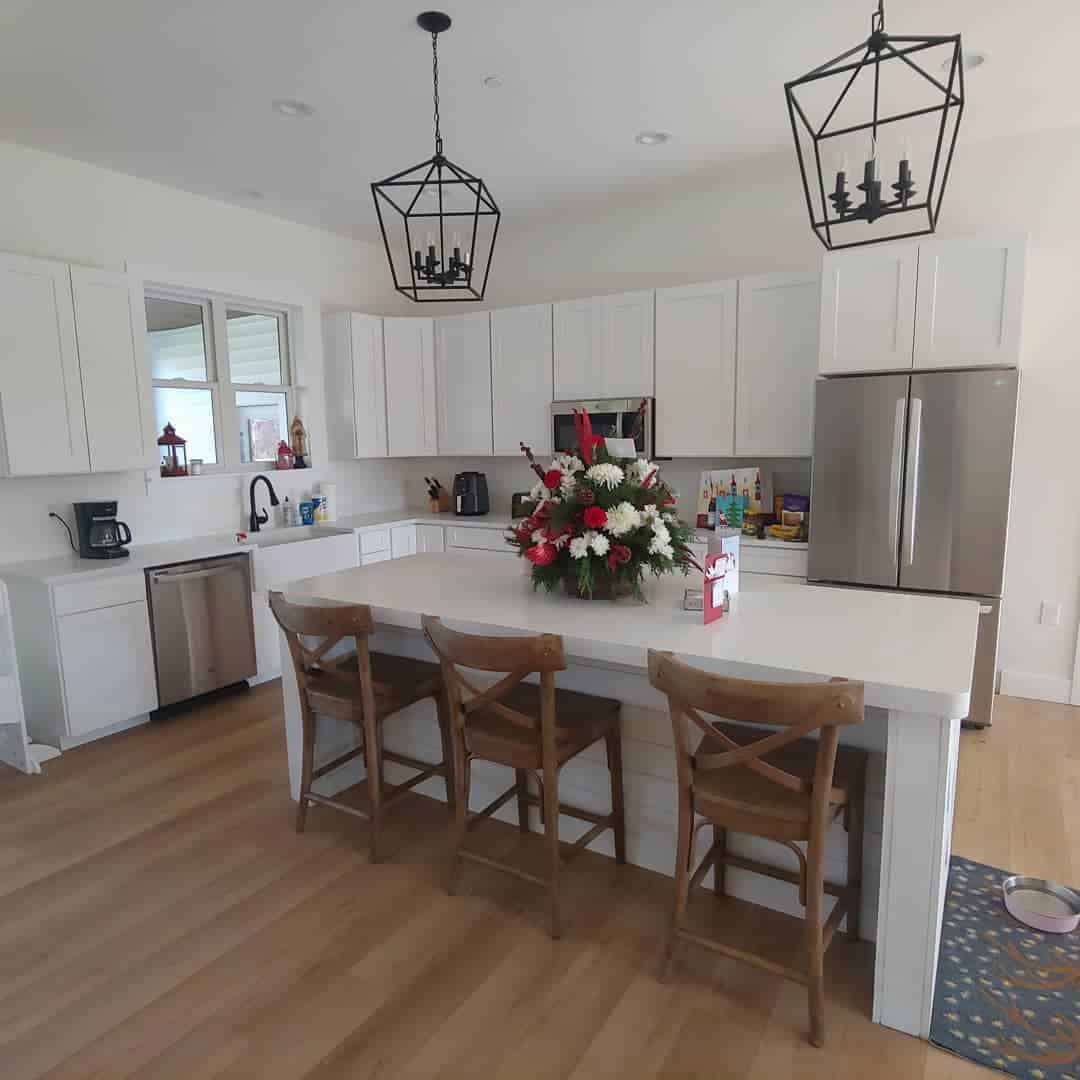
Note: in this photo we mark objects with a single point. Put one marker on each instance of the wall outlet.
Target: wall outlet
(1050, 613)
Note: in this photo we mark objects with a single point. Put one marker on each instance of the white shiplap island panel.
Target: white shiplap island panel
(914, 653)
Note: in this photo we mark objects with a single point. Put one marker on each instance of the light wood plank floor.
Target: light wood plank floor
(160, 918)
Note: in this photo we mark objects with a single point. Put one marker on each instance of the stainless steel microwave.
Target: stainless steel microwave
(610, 418)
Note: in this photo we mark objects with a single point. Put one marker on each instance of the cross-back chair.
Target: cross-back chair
(531, 729)
(777, 784)
(361, 687)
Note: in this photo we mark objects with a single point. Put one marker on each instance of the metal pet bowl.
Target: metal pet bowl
(1042, 905)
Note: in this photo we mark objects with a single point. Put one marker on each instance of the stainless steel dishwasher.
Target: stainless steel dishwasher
(203, 631)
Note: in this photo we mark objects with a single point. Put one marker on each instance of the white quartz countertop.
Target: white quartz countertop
(914, 653)
(386, 518)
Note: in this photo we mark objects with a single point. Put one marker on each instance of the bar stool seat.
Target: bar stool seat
(399, 681)
(741, 791)
(581, 720)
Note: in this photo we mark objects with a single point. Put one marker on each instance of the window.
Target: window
(221, 376)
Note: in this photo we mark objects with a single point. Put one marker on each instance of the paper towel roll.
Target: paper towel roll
(329, 495)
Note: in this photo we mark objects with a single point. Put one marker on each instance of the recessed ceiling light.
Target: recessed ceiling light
(652, 138)
(492, 82)
(972, 60)
(292, 107)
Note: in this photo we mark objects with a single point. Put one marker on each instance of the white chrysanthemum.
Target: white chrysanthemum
(561, 541)
(599, 543)
(567, 485)
(660, 531)
(641, 468)
(607, 475)
(622, 519)
(539, 536)
(567, 463)
(649, 513)
(659, 542)
(667, 551)
(579, 547)
(538, 492)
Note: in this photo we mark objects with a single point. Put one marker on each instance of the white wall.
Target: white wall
(58, 208)
(753, 219)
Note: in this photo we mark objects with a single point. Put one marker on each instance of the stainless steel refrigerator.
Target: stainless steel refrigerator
(911, 479)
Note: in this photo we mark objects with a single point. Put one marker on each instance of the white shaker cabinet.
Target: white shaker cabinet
(695, 370)
(42, 423)
(463, 383)
(355, 385)
(969, 304)
(777, 364)
(110, 327)
(603, 347)
(410, 387)
(430, 539)
(402, 541)
(522, 387)
(868, 309)
(108, 667)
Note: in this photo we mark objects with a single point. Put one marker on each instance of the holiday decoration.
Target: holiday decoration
(598, 523)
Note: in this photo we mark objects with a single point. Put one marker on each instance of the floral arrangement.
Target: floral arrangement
(599, 523)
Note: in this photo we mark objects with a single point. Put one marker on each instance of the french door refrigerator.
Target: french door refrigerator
(910, 491)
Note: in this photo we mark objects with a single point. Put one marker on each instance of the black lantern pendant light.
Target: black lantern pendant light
(438, 221)
(892, 72)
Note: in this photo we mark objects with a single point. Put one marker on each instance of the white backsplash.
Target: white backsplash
(170, 509)
(506, 475)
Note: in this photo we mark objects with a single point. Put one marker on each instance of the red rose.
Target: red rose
(541, 554)
(620, 553)
(552, 479)
(595, 517)
(524, 533)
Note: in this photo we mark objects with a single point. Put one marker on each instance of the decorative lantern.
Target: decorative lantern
(892, 98)
(173, 453)
(299, 439)
(438, 220)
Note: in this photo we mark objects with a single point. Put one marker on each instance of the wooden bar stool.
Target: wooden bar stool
(529, 728)
(778, 785)
(364, 688)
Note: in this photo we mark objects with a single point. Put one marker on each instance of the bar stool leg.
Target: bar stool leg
(720, 846)
(373, 764)
(442, 712)
(682, 878)
(521, 782)
(618, 813)
(306, 769)
(855, 819)
(462, 778)
(551, 836)
(815, 903)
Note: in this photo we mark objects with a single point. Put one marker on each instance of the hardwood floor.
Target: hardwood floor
(160, 918)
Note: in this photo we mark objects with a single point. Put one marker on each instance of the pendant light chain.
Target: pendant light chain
(435, 85)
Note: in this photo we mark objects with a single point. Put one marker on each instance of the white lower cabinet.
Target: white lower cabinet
(108, 666)
(375, 557)
(402, 541)
(478, 538)
(430, 539)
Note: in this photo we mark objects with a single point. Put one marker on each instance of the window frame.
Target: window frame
(222, 389)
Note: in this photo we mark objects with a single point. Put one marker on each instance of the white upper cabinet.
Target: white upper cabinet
(42, 424)
(868, 309)
(355, 378)
(603, 347)
(695, 370)
(410, 387)
(522, 386)
(777, 364)
(110, 326)
(970, 300)
(463, 381)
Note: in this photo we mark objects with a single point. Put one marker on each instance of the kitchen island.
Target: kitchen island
(914, 654)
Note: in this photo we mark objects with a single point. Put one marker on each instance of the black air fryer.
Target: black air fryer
(470, 494)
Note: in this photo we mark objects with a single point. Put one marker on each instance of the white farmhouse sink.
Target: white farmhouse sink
(293, 534)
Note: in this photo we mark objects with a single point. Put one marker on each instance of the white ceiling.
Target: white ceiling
(180, 92)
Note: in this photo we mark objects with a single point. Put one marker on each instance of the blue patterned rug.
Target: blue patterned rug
(1007, 997)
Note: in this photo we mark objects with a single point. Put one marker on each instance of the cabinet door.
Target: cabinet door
(463, 383)
(868, 309)
(430, 539)
(410, 387)
(108, 666)
(402, 541)
(375, 557)
(695, 370)
(110, 328)
(777, 364)
(42, 425)
(369, 385)
(627, 365)
(970, 298)
(578, 348)
(522, 387)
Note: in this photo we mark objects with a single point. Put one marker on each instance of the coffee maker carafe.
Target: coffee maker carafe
(101, 536)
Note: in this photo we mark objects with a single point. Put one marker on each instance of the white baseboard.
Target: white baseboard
(1030, 684)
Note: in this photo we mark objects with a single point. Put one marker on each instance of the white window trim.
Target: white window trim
(222, 390)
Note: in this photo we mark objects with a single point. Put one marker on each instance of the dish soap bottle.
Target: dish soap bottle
(291, 514)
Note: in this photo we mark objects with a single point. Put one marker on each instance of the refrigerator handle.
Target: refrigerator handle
(914, 445)
(894, 478)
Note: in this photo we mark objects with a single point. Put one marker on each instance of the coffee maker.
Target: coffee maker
(101, 536)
